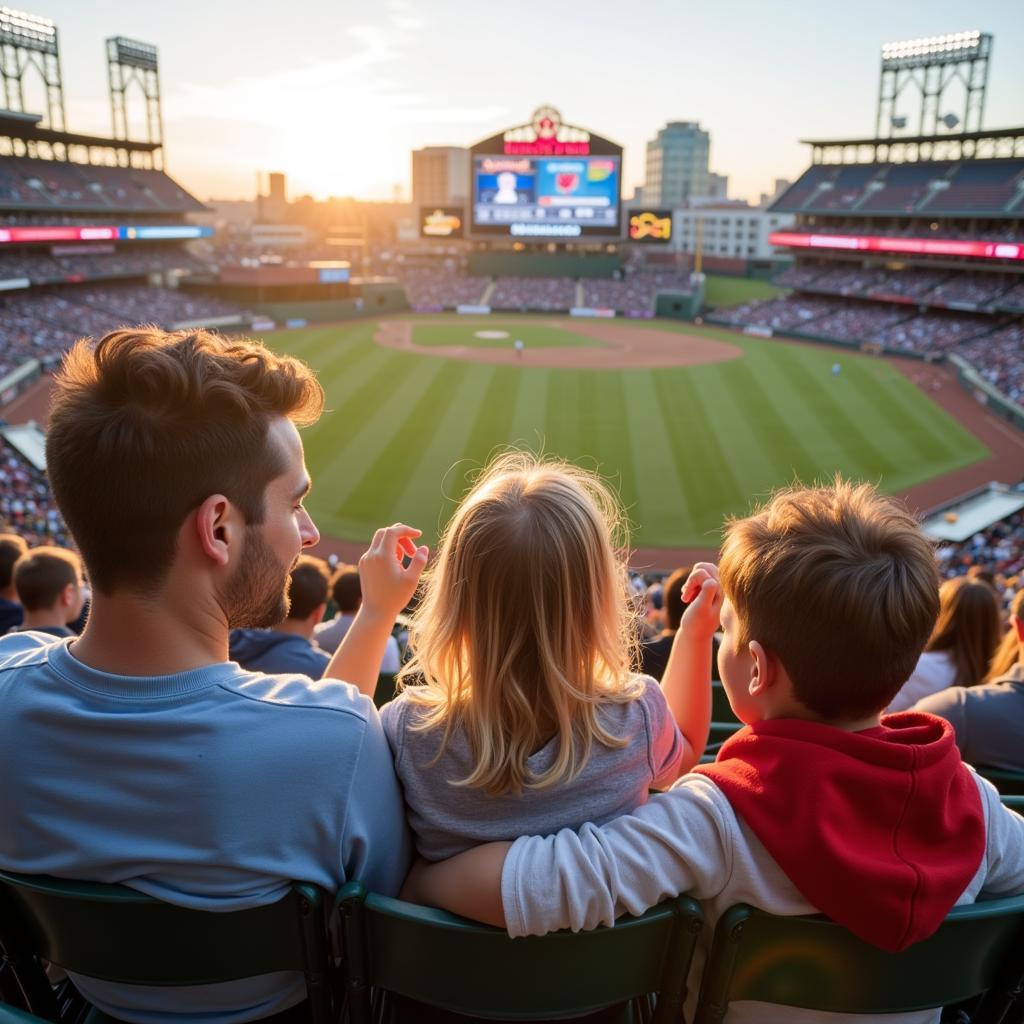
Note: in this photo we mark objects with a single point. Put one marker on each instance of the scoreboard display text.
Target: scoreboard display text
(546, 197)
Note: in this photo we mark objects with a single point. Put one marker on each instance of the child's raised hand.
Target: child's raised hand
(386, 583)
(702, 593)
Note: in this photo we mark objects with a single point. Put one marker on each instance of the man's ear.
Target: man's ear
(762, 669)
(216, 529)
(316, 616)
(67, 595)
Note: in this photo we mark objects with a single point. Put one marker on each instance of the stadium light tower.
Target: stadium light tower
(28, 41)
(131, 63)
(930, 66)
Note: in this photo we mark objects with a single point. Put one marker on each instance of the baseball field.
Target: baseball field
(688, 423)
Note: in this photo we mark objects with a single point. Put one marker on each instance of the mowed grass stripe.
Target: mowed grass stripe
(529, 428)
(562, 415)
(366, 420)
(755, 384)
(661, 510)
(376, 492)
(700, 460)
(489, 427)
(428, 485)
(864, 456)
(606, 431)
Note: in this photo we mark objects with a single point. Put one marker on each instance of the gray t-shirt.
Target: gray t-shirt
(988, 720)
(448, 819)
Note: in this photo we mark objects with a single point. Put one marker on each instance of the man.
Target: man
(288, 646)
(51, 589)
(12, 547)
(347, 593)
(139, 754)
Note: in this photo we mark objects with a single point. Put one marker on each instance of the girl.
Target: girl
(964, 638)
(527, 718)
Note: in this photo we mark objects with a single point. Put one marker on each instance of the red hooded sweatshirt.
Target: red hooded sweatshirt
(881, 830)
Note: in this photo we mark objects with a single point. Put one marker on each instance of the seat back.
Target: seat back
(721, 709)
(462, 967)
(1010, 783)
(9, 1015)
(814, 963)
(114, 933)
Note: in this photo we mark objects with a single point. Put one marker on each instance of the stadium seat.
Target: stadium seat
(118, 934)
(721, 709)
(10, 1015)
(397, 951)
(1015, 803)
(1009, 783)
(816, 964)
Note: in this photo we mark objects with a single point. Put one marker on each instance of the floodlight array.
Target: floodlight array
(134, 53)
(17, 28)
(955, 46)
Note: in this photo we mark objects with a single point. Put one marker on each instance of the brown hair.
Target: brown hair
(1008, 653)
(307, 586)
(12, 547)
(673, 597)
(525, 626)
(346, 589)
(840, 584)
(146, 424)
(40, 575)
(968, 627)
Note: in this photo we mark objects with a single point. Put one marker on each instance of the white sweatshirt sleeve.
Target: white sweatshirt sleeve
(1004, 854)
(678, 842)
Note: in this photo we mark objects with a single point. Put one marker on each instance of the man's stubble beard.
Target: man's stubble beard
(256, 596)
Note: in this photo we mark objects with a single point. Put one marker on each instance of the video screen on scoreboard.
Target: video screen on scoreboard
(546, 197)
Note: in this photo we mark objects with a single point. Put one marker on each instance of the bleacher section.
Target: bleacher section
(969, 187)
(58, 184)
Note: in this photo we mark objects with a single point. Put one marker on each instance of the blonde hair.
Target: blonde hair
(1008, 653)
(840, 584)
(525, 626)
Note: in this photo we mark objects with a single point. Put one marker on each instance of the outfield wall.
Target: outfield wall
(543, 264)
(375, 299)
(993, 400)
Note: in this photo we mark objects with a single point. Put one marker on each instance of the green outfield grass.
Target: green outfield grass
(534, 334)
(731, 291)
(684, 446)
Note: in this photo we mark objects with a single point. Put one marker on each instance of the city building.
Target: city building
(729, 231)
(677, 164)
(718, 185)
(440, 176)
(767, 198)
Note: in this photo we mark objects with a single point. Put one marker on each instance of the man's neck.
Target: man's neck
(295, 627)
(10, 594)
(131, 635)
(43, 618)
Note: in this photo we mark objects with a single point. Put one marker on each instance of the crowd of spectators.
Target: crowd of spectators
(782, 314)
(135, 260)
(936, 331)
(430, 286)
(999, 358)
(27, 507)
(533, 293)
(858, 320)
(636, 292)
(997, 552)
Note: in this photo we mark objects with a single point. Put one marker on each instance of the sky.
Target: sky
(336, 93)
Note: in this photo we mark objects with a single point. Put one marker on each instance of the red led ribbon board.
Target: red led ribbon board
(901, 246)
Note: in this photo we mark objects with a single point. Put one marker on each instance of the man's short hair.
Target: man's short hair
(12, 547)
(41, 575)
(146, 424)
(841, 585)
(674, 604)
(307, 586)
(346, 590)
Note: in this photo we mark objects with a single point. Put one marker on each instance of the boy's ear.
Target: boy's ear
(762, 669)
(1018, 624)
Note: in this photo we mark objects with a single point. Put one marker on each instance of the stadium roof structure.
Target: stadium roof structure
(27, 128)
(993, 143)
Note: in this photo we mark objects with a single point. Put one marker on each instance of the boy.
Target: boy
(50, 588)
(826, 598)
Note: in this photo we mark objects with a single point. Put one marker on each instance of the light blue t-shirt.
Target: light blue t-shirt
(212, 788)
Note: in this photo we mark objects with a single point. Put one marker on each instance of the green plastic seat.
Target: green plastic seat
(814, 963)
(10, 1015)
(396, 949)
(1015, 803)
(721, 709)
(1010, 783)
(117, 934)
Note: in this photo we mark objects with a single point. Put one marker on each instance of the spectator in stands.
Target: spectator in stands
(654, 653)
(347, 594)
(12, 547)
(526, 716)
(989, 719)
(816, 806)
(961, 645)
(51, 590)
(152, 759)
(288, 646)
